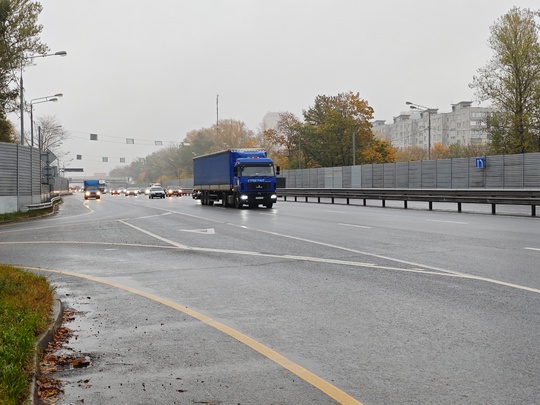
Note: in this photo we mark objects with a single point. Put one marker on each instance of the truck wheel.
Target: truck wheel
(237, 203)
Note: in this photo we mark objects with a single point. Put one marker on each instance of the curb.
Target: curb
(42, 343)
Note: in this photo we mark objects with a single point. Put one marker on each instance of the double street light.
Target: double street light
(39, 100)
(424, 108)
(21, 96)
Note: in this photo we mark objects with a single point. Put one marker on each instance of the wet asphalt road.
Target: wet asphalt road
(301, 304)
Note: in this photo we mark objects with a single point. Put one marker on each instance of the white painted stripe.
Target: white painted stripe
(356, 226)
(530, 248)
(171, 242)
(447, 222)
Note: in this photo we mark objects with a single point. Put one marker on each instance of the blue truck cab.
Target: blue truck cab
(92, 189)
(236, 177)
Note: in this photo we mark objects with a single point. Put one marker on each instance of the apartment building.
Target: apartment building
(465, 124)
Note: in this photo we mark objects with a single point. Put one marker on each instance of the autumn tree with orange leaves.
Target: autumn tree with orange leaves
(336, 131)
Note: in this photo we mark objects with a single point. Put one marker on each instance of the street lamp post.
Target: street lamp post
(421, 107)
(21, 94)
(41, 100)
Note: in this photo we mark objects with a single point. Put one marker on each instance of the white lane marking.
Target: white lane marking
(336, 212)
(447, 222)
(171, 242)
(529, 248)
(356, 226)
(153, 216)
(435, 272)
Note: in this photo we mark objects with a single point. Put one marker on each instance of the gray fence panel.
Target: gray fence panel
(415, 174)
(36, 172)
(402, 174)
(429, 179)
(389, 175)
(367, 176)
(337, 177)
(532, 170)
(513, 171)
(8, 169)
(443, 173)
(378, 176)
(494, 171)
(460, 173)
(356, 175)
(320, 177)
(347, 177)
(298, 178)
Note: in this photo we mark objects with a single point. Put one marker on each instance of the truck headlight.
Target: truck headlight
(243, 197)
(273, 197)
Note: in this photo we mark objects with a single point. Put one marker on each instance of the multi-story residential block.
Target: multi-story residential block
(464, 125)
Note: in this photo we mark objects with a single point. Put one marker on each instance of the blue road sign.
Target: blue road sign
(481, 162)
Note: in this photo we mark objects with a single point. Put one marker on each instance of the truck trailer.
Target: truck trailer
(91, 189)
(236, 177)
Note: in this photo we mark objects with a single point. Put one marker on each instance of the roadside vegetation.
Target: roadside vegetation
(17, 216)
(26, 300)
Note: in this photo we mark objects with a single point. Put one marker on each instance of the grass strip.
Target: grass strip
(26, 301)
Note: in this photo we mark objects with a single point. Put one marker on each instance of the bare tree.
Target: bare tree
(51, 135)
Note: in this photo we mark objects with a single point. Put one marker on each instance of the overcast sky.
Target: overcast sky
(152, 70)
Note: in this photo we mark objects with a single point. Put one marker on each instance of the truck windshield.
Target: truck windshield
(256, 171)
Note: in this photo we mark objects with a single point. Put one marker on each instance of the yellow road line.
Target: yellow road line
(332, 391)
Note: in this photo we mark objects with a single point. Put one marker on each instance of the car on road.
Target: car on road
(156, 192)
(132, 191)
(177, 191)
(118, 191)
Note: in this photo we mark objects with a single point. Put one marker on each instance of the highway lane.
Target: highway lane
(386, 305)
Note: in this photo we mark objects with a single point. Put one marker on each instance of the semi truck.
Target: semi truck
(91, 189)
(236, 177)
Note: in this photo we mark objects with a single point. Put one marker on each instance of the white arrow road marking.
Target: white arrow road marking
(209, 231)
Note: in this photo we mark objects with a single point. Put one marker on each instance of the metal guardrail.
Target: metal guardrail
(49, 204)
(494, 197)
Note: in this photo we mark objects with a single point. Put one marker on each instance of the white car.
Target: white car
(156, 192)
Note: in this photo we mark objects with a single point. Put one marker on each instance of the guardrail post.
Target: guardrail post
(533, 210)
(431, 205)
(365, 202)
(493, 208)
(458, 207)
(405, 204)
(384, 203)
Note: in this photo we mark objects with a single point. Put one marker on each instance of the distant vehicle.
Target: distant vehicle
(103, 186)
(118, 191)
(156, 192)
(132, 191)
(177, 191)
(91, 189)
